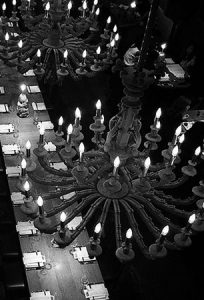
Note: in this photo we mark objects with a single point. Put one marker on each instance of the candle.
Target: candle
(28, 3)
(97, 12)
(98, 109)
(26, 189)
(40, 206)
(133, 4)
(96, 231)
(157, 116)
(114, 32)
(174, 154)
(60, 122)
(39, 56)
(102, 119)
(116, 164)
(23, 167)
(196, 155)
(177, 133)
(28, 146)
(69, 133)
(14, 5)
(77, 117)
(191, 220)
(116, 38)
(163, 46)
(6, 39)
(163, 234)
(20, 45)
(98, 52)
(69, 7)
(147, 163)
(4, 8)
(81, 151)
(108, 22)
(94, 5)
(128, 237)
(112, 44)
(65, 56)
(42, 131)
(47, 8)
(181, 139)
(84, 56)
(84, 8)
(62, 220)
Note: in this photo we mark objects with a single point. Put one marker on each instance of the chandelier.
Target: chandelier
(118, 175)
(55, 43)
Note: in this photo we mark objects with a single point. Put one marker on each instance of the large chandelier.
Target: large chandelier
(118, 175)
(55, 43)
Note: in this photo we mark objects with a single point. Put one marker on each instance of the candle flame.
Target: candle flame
(40, 201)
(60, 122)
(95, 2)
(26, 186)
(203, 205)
(23, 87)
(197, 151)
(102, 119)
(20, 44)
(108, 20)
(115, 28)
(14, 2)
(98, 104)
(163, 46)
(38, 53)
(23, 163)
(165, 230)
(112, 43)
(181, 138)
(28, 145)
(7, 36)
(4, 6)
(84, 53)
(178, 131)
(97, 228)
(175, 151)
(129, 233)
(70, 129)
(158, 125)
(133, 4)
(69, 6)
(42, 130)
(98, 50)
(63, 216)
(147, 163)
(116, 162)
(47, 7)
(158, 113)
(192, 218)
(117, 37)
(65, 54)
(78, 113)
(84, 5)
(81, 148)
(97, 11)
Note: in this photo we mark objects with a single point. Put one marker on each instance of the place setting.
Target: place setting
(11, 149)
(42, 295)
(92, 290)
(6, 128)
(26, 228)
(4, 108)
(38, 106)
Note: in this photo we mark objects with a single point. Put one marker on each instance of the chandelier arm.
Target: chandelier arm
(177, 201)
(118, 235)
(104, 214)
(64, 191)
(43, 163)
(52, 181)
(175, 184)
(126, 176)
(134, 226)
(67, 162)
(101, 170)
(169, 208)
(155, 212)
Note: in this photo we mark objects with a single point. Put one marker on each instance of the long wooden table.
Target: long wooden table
(64, 279)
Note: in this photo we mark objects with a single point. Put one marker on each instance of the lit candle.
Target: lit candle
(158, 125)
(26, 189)
(14, 5)
(163, 46)
(108, 22)
(81, 151)
(62, 220)
(65, 56)
(96, 231)
(191, 220)
(112, 44)
(84, 8)
(94, 5)
(98, 109)
(98, 52)
(77, 117)
(20, 45)
(69, 133)
(60, 122)
(102, 119)
(69, 7)
(6, 39)
(116, 38)
(40, 206)
(97, 12)
(128, 237)
(4, 8)
(23, 167)
(174, 154)
(177, 133)
(47, 8)
(181, 139)
(116, 164)
(28, 146)
(39, 56)
(84, 56)
(28, 3)
(42, 131)
(196, 155)
(163, 234)
(23, 88)
(157, 116)
(147, 163)
(133, 4)
(115, 28)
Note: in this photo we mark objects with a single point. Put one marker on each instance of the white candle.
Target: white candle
(40, 206)
(7, 39)
(94, 5)
(163, 234)
(69, 7)
(177, 133)
(60, 122)
(65, 56)
(69, 133)
(174, 154)
(147, 163)
(14, 5)
(23, 167)
(108, 22)
(42, 131)
(77, 117)
(81, 151)
(98, 108)
(4, 8)
(128, 237)
(84, 54)
(62, 220)
(39, 56)
(116, 164)
(28, 146)
(84, 8)
(47, 8)
(26, 188)
(96, 231)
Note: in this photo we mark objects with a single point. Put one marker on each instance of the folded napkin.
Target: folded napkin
(74, 223)
(45, 295)
(67, 196)
(50, 147)
(13, 171)
(2, 90)
(38, 106)
(6, 128)
(4, 108)
(176, 70)
(164, 78)
(33, 89)
(33, 259)
(81, 254)
(26, 228)
(11, 149)
(29, 73)
(17, 198)
(58, 166)
(96, 291)
(46, 124)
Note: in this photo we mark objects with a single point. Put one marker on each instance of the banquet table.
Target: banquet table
(64, 275)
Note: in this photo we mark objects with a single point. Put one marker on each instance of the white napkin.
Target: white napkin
(164, 78)
(45, 295)
(6, 128)
(176, 70)
(38, 106)
(67, 196)
(96, 291)
(74, 223)
(26, 228)
(81, 254)
(13, 171)
(58, 165)
(33, 89)
(4, 108)
(17, 198)
(33, 259)
(29, 73)
(50, 147)
(46, 125)
(2, 90)
(11, 149)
